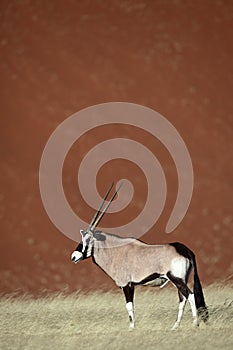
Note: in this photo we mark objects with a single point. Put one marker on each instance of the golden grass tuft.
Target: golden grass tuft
(100, 321)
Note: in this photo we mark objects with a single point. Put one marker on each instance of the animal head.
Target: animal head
(85, 248)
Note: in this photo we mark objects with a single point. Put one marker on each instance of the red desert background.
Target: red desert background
(58, 57)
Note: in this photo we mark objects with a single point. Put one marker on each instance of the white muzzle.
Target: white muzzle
(76, 256)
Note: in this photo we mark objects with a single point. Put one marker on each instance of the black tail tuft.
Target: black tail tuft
(198, 295)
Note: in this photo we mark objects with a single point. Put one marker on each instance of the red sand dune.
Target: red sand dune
(58, 57)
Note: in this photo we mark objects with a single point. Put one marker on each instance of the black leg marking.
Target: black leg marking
(129, 293)
(181, 297)
(180, 284)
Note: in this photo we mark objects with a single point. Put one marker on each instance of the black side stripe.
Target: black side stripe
(148, 278)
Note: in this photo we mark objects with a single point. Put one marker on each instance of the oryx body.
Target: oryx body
(140, 261)
(131, 262)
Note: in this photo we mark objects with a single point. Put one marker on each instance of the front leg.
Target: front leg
(129, 294)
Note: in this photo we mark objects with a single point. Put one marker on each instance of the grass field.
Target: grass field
(100, 321)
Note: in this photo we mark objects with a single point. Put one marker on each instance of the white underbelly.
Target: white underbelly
(157, 282)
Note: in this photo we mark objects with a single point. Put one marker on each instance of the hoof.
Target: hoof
(195, 324)
(176, 326)
(131, 326)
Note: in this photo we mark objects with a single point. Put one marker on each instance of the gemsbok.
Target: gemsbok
(130, 262)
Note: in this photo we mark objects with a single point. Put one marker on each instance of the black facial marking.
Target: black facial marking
(80, 248)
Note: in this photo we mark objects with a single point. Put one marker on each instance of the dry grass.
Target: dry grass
(100, 321)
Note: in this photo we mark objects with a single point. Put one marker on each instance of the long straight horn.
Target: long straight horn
(106, 208)
(101, 205)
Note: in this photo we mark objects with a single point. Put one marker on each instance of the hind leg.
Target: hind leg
(191, 299)
(187, 294)
(182, 304)
(194, 309)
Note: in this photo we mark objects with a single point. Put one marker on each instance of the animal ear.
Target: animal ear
(82, 233)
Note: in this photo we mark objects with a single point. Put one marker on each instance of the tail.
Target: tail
(198, 294)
